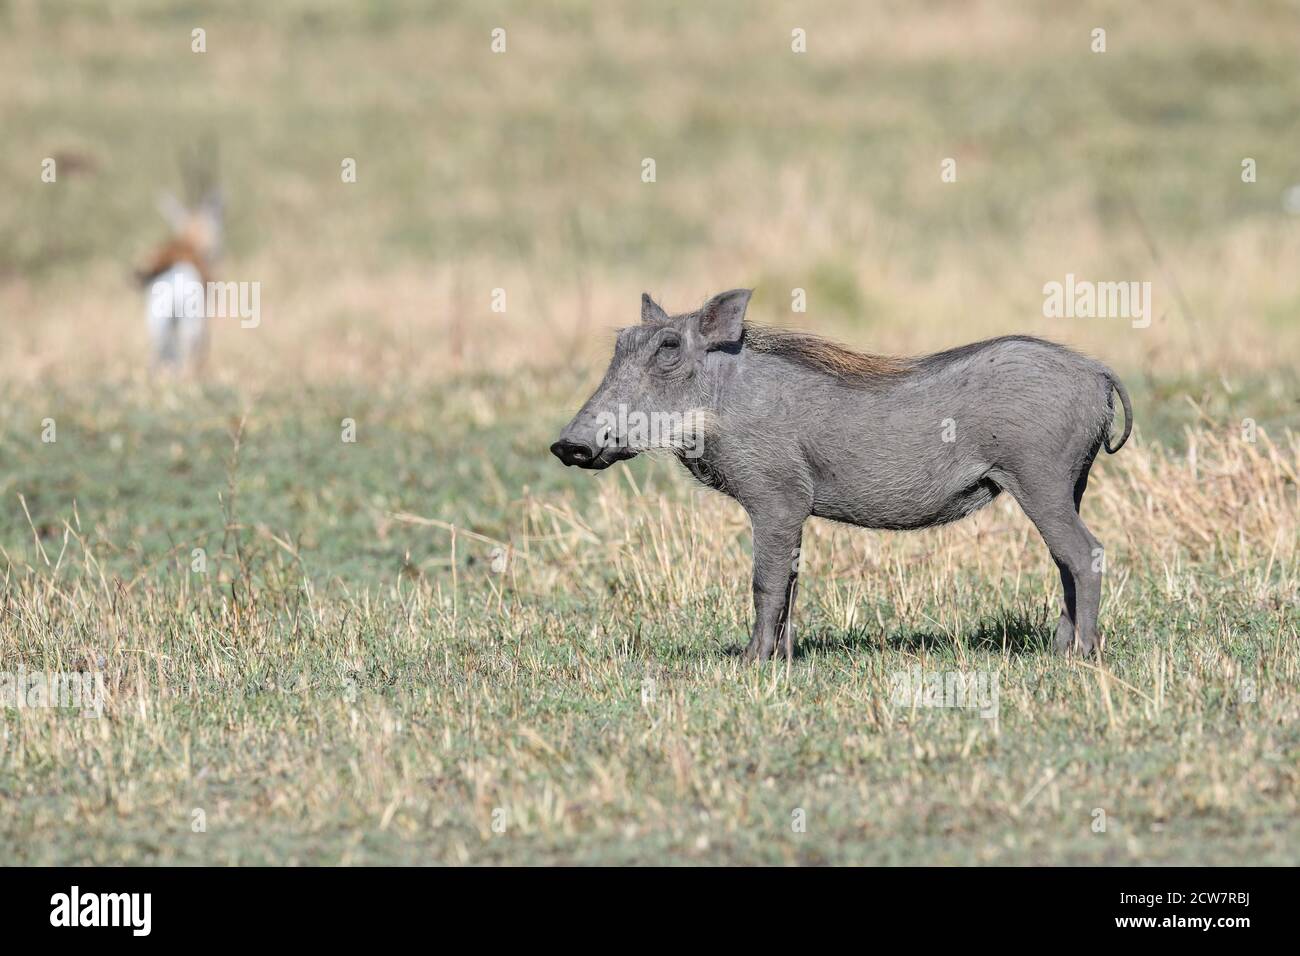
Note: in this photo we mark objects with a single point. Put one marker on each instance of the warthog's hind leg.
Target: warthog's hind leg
(1053, 507)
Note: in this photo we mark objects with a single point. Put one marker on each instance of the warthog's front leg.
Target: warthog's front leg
(785, 624)
(776, 564)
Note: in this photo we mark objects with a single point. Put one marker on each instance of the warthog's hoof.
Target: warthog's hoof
(1064, 635)
(1067, 644)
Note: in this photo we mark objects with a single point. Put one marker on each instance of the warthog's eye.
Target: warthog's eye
(668, 355)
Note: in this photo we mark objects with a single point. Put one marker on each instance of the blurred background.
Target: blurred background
(521, 171)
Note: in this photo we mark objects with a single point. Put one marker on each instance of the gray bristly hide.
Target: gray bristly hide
(793, 425)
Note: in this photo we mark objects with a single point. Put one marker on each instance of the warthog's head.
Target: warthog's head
(657, 391)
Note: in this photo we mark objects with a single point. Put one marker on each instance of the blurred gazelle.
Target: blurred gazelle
(176, 273)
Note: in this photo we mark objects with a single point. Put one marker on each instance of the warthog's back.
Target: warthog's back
(934, 438)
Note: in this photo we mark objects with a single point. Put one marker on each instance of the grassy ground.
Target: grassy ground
(436, 645)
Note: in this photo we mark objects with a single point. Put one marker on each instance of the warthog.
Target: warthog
(795, 425)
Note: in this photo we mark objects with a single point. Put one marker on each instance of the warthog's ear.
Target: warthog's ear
(650, 311)
(723, 317)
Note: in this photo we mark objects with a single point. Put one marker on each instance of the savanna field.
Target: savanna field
(434, 644)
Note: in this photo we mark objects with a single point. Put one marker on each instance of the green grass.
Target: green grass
(342, 695)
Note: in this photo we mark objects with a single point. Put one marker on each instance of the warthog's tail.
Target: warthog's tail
(1128, 413)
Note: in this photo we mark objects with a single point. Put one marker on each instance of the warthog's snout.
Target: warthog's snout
(574, 452)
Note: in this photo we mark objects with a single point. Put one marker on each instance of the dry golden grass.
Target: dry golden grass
(391, 723)
(817, 171)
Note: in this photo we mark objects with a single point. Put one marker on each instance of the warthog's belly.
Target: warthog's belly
(902, 510)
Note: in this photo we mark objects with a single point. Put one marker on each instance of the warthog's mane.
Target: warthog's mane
(821, 354)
